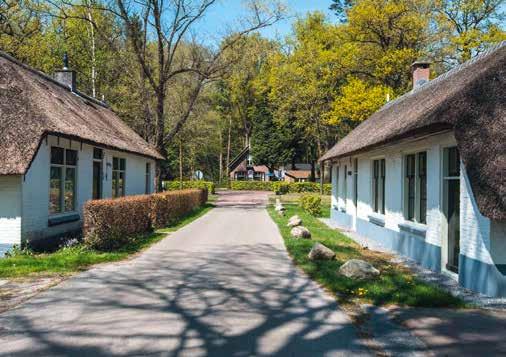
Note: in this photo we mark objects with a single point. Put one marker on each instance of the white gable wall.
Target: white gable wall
(35, 187)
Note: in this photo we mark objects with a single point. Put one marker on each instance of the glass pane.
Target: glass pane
(98, 153)
(148, 168)
(423, 199)
(114, 184)
(55, 183)
(71, 157)
(453, 162)
(411, 198)
(382, 173)
(422, 164)
(122, 164)
(115, 163)
(57, 155)
(97, 180)
(376, 168)
(121, 184)
(410, 165)
(70, 189)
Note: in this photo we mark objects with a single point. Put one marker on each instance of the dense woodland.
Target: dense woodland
(200, 100)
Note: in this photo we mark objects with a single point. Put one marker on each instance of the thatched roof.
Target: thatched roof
(33, 105)
(470, 100)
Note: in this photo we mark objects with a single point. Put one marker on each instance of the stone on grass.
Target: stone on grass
(279, 207)
(294, 221)
(300, 232)
(321, 252)
(358, 269)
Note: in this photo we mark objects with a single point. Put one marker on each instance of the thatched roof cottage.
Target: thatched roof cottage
(58, 149)
(425, 176)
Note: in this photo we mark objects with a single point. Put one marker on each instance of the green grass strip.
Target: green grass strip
(396, 284)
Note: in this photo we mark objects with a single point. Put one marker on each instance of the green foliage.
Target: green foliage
(311, 203)
(179, 185)
(396, 284)
(252, 185)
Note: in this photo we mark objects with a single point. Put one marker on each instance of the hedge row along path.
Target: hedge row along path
(221, 286)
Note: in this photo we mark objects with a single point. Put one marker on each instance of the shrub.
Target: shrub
(252, 185)
(176, 185)
(110, 224)
(281, 188)
(311, 203)
(168, 207)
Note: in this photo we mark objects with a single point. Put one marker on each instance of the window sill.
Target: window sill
(413, 228)
(63, 218)
(377, 219)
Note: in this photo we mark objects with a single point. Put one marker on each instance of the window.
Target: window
(378, 185)
(62, 180)
(416, 187)
(355, 182)
(345, 185)
(148, 178)
(118, 177)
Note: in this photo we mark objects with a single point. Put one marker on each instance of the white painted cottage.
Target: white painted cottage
(425, 176)
(58, 149)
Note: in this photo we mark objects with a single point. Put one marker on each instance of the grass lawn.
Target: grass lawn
(78, 258)
(395, 285)
(293, 198)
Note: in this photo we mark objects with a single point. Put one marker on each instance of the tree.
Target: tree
(467, 27)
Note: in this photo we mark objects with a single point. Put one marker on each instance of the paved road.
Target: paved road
(221, 286)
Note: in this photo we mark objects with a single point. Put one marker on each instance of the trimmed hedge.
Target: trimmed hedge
(168, 207)
(252, 185)
(112, 223)
(311, 203)
(176, 185)
(281, 187)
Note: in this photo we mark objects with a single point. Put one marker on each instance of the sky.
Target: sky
(227, 12)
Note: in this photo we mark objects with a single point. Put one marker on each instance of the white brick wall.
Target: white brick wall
(36, 185)
(474, 227)
(10, 211)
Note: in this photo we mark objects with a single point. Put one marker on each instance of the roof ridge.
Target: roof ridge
(51, 79)
(448, 73)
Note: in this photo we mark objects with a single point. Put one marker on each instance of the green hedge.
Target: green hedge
(281, 187)
(176, 185)
(252, 185)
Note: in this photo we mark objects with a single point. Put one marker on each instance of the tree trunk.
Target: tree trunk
(160, 125)
(220, 177)
(228, 146)
(181, 164)
(93, 58)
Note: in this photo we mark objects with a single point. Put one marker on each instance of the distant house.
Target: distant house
(60, 148)
(297, 175)
(241, 168)
(425, 176)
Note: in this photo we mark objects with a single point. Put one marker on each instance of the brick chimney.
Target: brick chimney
(421, 73)
(66, 76)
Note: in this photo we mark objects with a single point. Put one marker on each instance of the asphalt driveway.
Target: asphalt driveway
(221, 286)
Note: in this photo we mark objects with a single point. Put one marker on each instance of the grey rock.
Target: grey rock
(321, 252)
(294, 221)
(300, 232)
(358, 269)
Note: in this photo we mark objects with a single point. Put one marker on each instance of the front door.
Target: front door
(452, 207)
(97, 180)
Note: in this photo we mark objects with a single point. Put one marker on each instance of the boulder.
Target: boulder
(321, 252)
(358, 269)
(294, 221)
(300, 232)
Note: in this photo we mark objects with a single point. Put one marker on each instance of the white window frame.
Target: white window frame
(119, 170)
(381, 210)
(63, 167)
(417, 186)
